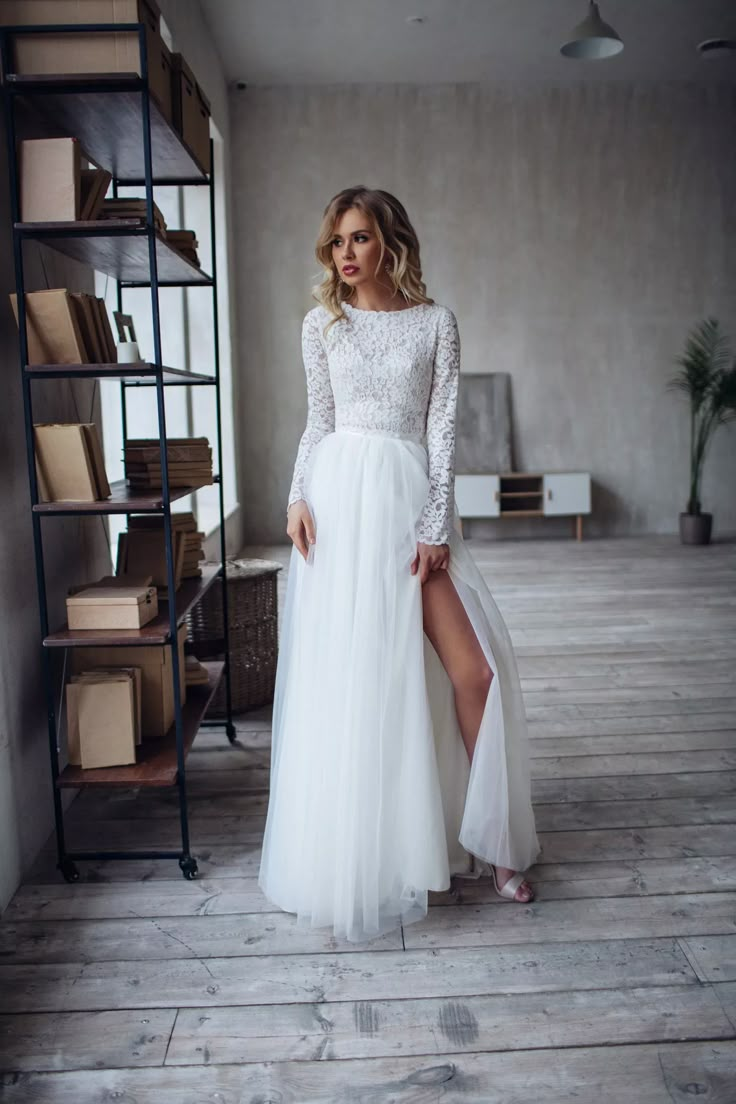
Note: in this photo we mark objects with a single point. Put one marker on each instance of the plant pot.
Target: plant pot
(695, 528)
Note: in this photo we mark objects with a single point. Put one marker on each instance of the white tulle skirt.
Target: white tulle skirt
(373, 800)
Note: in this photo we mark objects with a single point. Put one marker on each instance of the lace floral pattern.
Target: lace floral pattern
(394, 372)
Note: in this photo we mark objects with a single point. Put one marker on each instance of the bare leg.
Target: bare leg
(449, 630)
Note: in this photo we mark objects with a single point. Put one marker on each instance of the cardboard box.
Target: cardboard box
(54, 335)
(113, 52)
(74, 751)
(50, 180)
(114, 607)
(69, 463)
(157, 684)
(190, 112)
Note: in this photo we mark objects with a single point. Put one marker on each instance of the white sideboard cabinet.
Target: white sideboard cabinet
(525, 494)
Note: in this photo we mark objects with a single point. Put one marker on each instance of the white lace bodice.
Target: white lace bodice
(391, 371)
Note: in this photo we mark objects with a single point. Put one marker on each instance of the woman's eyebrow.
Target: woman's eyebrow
(353, 233)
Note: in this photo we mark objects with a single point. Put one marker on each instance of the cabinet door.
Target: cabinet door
(478, 496)
(567, 493)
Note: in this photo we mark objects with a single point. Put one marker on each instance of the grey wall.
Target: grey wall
(75, 550)
(577, 233)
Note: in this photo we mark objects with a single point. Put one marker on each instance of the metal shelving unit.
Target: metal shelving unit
(120, 126)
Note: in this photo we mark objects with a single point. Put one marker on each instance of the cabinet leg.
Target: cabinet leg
(579, 527)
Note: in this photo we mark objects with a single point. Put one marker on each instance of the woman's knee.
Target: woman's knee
(474, 679)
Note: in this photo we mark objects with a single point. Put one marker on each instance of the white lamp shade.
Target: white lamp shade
(592, 40)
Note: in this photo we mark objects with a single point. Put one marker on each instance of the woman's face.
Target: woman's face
(356, 250)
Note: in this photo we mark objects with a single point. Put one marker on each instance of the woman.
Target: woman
(400, 750)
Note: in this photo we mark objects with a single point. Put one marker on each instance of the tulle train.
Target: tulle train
(373, 801)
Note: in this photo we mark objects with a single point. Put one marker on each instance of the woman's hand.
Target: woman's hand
(430, 557)
(300, 526)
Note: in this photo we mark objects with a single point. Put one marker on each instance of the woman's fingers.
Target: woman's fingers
(430, 558)
(301, 527)
(309, 527)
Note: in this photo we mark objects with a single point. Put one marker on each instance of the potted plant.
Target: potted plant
(707, 377)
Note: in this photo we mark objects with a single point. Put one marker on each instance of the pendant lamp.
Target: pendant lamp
(592, 40)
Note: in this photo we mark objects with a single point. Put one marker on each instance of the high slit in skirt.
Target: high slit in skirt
(373, 799)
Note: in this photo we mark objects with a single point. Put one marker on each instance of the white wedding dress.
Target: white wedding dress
(373, 800)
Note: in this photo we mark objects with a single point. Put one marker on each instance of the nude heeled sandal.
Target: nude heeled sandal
(479, 867)
(509, 888)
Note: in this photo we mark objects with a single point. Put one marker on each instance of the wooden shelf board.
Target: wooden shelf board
(522, 513)
(133, 373)
(155, 632)
(157, 764)
(48, 112)
(521, 494)
(521, 475)
(123, 500)
(122, 254)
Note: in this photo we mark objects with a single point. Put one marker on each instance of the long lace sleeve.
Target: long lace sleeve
(437, 516)
(320, 400)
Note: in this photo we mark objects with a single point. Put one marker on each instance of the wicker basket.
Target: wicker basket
(253, 632)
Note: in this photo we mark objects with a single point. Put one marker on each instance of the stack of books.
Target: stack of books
(131, 208)
(189, 462)
(185, 242)
(195, 672)
(185, 523)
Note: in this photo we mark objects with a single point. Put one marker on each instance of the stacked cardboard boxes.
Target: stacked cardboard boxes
(114, 52)
(157, 682)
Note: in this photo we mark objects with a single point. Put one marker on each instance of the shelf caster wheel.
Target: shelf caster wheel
(69, 870)
(232, 733)
(188, 868)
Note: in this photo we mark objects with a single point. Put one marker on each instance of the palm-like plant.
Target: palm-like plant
(708, 378)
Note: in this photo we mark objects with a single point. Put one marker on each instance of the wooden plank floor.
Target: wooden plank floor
(618, 983)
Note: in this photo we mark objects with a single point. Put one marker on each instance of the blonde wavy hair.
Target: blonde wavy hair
(399, 248)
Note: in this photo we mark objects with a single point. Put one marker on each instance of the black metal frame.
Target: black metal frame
(108, 86)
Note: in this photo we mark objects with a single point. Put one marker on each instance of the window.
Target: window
(187, 342)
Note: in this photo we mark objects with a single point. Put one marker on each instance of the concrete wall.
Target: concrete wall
(75, 550)
(577, 232)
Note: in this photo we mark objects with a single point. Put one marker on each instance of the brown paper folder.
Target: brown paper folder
(64, 459)
(106, 711)
(108, 341)
(69, 457)
(54, 335)
(72, 706)
(94, 446)
(89, 326)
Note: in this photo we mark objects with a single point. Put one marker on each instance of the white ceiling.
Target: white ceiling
(358, 41)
